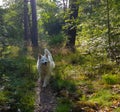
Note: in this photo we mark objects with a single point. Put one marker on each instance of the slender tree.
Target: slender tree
(108, 24)
(34, 29)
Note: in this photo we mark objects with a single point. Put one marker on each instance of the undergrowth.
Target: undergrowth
(64, 105)
(111, 79)
(17, 80)
(81, 81)
(86, 79)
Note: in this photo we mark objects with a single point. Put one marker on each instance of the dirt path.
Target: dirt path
(45, 99)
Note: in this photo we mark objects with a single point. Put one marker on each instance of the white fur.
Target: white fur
(45, 65)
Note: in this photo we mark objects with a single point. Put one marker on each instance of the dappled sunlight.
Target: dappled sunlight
(84, 42)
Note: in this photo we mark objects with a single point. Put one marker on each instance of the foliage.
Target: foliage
(56, 40)
(89, 79)
(111, 78)
(12, 20)
(18, 76)
(76, 58)
(102, 97)
(63, 106)
(93, 25)
(2, 26)
(59, 82)
(89, 76)
(50, 21)
(27, 102)
(117, 110)
(3, 98)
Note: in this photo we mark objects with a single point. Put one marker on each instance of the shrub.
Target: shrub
(56, 40)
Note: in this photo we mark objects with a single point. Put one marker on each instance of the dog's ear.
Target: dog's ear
(39, 56)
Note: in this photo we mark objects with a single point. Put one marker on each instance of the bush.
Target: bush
(56, 40)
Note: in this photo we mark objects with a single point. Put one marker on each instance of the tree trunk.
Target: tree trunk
(65, 4)
(108, 24)
(34, 29)
(72, 29)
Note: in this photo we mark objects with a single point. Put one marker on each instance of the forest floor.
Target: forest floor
(80, 85)
(45, 99)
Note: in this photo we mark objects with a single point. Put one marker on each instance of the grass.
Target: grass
(111, 79)
(64, 105)
(102, 97)
(84, 78)
(58, 84)
(63, 108)
(89, 78)
(27, 102)
(117, 109)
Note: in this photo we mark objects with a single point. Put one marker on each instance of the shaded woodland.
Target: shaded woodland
(84, 39)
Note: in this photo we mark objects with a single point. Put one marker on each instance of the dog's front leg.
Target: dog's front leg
(46, 80)
(39, 75)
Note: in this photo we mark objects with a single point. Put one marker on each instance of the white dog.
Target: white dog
(45, 65)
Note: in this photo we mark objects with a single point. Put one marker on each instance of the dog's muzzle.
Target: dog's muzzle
(45, 63)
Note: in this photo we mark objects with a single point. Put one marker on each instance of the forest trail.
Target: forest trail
(45, 99)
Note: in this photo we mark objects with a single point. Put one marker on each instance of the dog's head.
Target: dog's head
(43, 59)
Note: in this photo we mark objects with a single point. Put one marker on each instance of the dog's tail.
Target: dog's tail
(47, 52)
